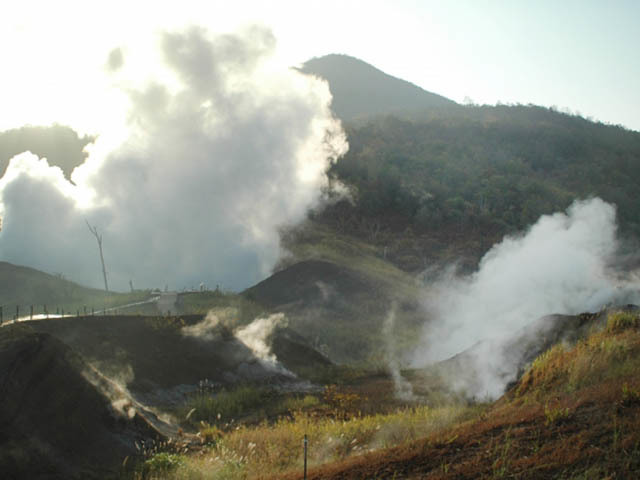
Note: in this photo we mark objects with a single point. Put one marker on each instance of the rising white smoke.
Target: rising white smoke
(207, 330)
(221, 147)
(256, 335)
(561, 265)
(401, 386)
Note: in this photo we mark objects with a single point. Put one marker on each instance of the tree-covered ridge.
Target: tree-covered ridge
(472, 174)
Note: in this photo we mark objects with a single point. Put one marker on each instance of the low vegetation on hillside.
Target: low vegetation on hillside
(451, 182)
(23, 288)
(574, 414)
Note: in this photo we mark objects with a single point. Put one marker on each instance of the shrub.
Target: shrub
(630, 395)
(619, 321)
(554, 415)
(209, 434)
(162, 463)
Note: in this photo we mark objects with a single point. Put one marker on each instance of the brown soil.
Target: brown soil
(597, 436)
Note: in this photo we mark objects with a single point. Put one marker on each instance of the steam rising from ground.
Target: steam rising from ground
(255, 336)
(561, 265)
(208, 329)
(220, 148)
(402, 388)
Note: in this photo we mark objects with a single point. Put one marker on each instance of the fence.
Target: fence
(7, 314)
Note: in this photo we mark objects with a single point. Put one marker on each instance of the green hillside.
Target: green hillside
(25, 287)
(449, 184)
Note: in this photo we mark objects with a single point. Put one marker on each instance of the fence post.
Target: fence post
(17, 312)
(31, 313)
(306, 442)
(1, 315)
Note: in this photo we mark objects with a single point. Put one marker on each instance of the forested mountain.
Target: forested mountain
(445, 182)
(360, 90)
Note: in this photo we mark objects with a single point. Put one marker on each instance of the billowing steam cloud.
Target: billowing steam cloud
(561, 265)
(220, 149)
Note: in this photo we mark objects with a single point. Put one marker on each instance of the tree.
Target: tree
(94, 230)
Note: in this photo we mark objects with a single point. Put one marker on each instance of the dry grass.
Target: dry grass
(610, 353)
(575, 414)
(253, 451)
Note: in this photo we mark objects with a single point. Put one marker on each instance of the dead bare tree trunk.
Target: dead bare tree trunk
(94, 230)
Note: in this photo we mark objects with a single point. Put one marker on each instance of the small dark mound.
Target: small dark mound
(310, 281)
(294, 352)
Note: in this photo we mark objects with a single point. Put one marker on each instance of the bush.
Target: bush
(630, 395)
(619, 321)
(162, 463)
(555, 414)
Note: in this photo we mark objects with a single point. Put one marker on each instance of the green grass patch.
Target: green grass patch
(226, 405)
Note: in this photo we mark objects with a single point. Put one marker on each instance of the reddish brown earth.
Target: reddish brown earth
(599, 438)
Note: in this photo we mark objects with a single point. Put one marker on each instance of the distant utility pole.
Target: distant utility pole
(94, 230)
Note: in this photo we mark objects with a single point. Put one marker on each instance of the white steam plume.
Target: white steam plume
(255, 337)
(221, 147)
(561, 265)
(207, 330)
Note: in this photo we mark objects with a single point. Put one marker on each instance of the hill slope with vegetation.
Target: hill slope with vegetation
(573, 414)
(24, 287)
(449, 184)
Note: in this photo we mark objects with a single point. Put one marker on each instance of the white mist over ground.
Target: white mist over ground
(560, 265)
(220, 148)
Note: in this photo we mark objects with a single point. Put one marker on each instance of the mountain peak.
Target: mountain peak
(361, 90)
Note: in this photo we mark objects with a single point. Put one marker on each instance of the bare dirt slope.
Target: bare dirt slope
(54, 423)
(152, 355)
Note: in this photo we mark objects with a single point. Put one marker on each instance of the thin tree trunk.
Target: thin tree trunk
(94, 230)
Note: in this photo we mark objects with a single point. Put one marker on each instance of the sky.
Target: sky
(208, 143)
(579, 56)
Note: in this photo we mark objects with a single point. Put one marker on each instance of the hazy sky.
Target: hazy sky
(581, 55)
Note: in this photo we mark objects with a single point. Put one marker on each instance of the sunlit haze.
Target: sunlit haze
(208, 142)
(577, 55)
